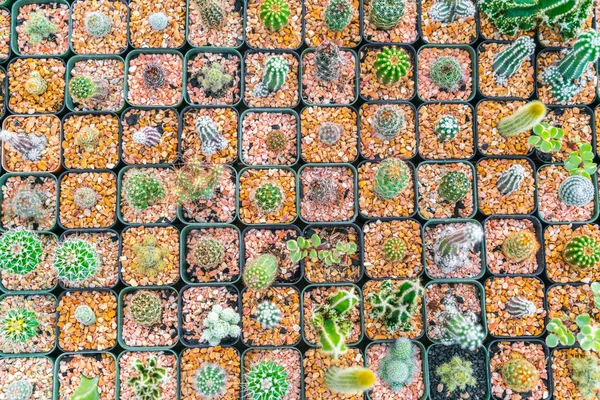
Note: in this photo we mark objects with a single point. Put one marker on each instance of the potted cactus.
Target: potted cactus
(143, 372)
(387, 72)
(204, 376)
(271, 78)
(282, 365)
(213, 76)
(390, 22)
(334, 20)
(157, 25)
(446, 73)
(577, 364)
(40, 27)
(90, 373)
(449, 21)
(275, 24)
(99, 28)
(213, 23)
(329, 134)
(572, 252)
(27, 376)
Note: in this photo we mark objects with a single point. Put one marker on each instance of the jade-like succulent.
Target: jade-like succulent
(447, 74)
(558, 333)
(315, 249)
(581, 162)
(454, 186)
(581, 252)
(145, 308)
(589, 334)
(391, 178)
(391, 64)
(546, 138)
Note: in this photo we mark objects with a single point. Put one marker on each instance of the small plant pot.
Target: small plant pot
(231, 35)
(5, 34)
(70, 367)
(141, 34)
(317, 30)
(407, 31)
(193, 360)
(291, 37)
(289, 358)
(561, 372)
(567, 301)
(30, 308)
(464, 30)
(165, 359)
(36, 370)
(259, 145)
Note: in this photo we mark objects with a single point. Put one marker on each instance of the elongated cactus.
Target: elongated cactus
(509, 60)
(520, 246)
(576, 191)
(447, 11)
(388, 121)
(522, 120)
(520, 375)
(396, 304)
(454, 186)
(452, 248)
(208, 132)
(399, 366)
(391, 64)
(585, 51)
(30, 146)
(261, 272)
(276, 71)
(328, 61)
(353, 380)
(386, 14)
(274, 14)
(391, 178)
(520, 307)
(582, 252)
(511, 179)
(338, 14)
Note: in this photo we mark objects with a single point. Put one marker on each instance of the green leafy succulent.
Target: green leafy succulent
(581, 161)
(546, 138)
(589, 335)
(315, 249)
(558, 333)
(596, 292)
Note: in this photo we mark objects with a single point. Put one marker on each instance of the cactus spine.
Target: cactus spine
(338, 14)
(261, 272)
(386, 14)
(581, 252)
(388, 122)
(98, 24)
(398, 367)
(576, 191)
(353, 380)
(519, 307)
(585, 51)
(522, 120)
(452, 248)
(447, 74)
(454, 186)
(391, 178)
(391, 64)
(511, 179)
(447, 11)
(328, 61)
(509, 60)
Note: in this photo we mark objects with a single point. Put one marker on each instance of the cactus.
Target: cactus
(145, 308)
(276, 141)
(155, 76)
(88, 137)
(451, 249)
(208, 253)
(338, 14)
(391, 178)
(328, 61)
(197, 182)
(150, 377)
(211, 381)
(447, 11)
(158, 21)
(39, 28)
(85, 197)
(456, 374)
(97, 24)
(268, 197)
(323, 191)
(562, 90)
(268, 315)
(147, 136)
(510, 180)
(20, 252)
(394, 249)
(396, 305)
(212, 13)
(343, 301)
(83, 88)
(332, 338)
(581, 252)
(76, 261)
(36, 85)
(214, 79)
(398, 367)
(261, 272)
(87, 389)
(30, 146)
(576, 191)
(586, 374)
(454, 186)
(274, 76)
(446, 128)
(26, 203)
(520, 375)
(352, 380)
(462, 330)
(211, 138)
(19, 390)
(386, 14)
(509, 60)
(391, 64)
(219, 324)
(519, 307)
(388, 121)
(150, 257)
(18, 325)
(85, 315)
(266, 380)
(330, 133)
(142, 189)
(520, 246)
(522, 120)
(275, 14)
(447, 74)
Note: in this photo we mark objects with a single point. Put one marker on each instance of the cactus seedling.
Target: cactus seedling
(330, 133)
(87, 389)
(447, 74)
(39, 28)
(76, 261)
(391, 64)
(147, 383)
(398, 367)
(394, 249)
(276, 141)
(386, 14)
(261, 272)
(328, 61)
(83, 88)
(85, 315)
(522, 120)
(98, 24)
(456, 374)
(576, 191)
(546, 138)
(19, 390)
(520, 246)
(586, 374)
(454, 186)
(20, 252)
(558, 333)
(145, 308)
(447, 11)
(197, 182)
(520, 307)
(214, 80)
(268, 315)
(88, 137)
(18, 325)
(316, 250)
(275, 14)
(509, 60)
(219, 324)
(212, 13)
(85, 197)
(581, 252)
(353, 380)
(391, 178)
(211, 381)
(323, 191)
(142, 189)
(30, 146)
(155, 76)
(36, 85)
(338, 14)
(396, 304)
(27, 203)
(147, 136)
(208, 253)
(446, 128)
(388, 122)
(268, 197)
(149, 257)
(510, 180)
(158, 21)
(266, 380)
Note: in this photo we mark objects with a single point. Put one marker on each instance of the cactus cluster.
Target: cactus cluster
(211, 381)
(268, 314)
(39, 27)
(386, 14)
(447, 11)
(155, 76)
(576, 191)
(158, 21)
(85, 197)
(394, 249)
(391, 64)
(509, 60)
(266, 380)
(212, 13)
(275, 14)
(208, 253)
(76, 261)
(388, 121)
(399, 365)
(586, 375)
(447, 74)
(520, 307)
(520, 375)
(197, 182)
(451, 249)
(338, 14)
(454, 186)
(30, 146)
(19, 390)
(395, 305)
(268, 197)
(18, 325)
(150, 257)
(98, 24)
(149, 378)
(456, 374)
(260, 273)
(145, 308)
(446, 128)
(581, 252)
(391, 178)
(352, 380)
(328, 61)
(510, 180)
(35, 84)
(142, 189)
(329, 133)
(83, 88)
(147, 136)
(85, 315)
(276, 141)
(220, 323)
(21, 252)
(27, 203)
(520, 246)
(274, 76)
(214, 80)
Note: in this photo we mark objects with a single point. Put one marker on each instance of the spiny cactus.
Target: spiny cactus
(582, 252)
(83, 88)
(87, 137)
(268, 315)
(87, 389)
(520, 375)
(266, 380)
(208, 253)
(522, 120)
(212, 13)
(352, 380)
(147, 384)
(155, 76)
(509, 60)
(85, 315)
(76, 261)
(510, 180)
(18, 325)
(21, 252)
(391, 64)
(274, 76)
(147, 136)
(328, 61)
(519, 307)
(398, 367)
(330, 133)
(447, 74)
(145, 308)
(261, 272)
(323, 191)
(451, 249)
(386, 14)
(275, 14)
(447, 11)
(142, 189)
(394, 249)
(39, 27)
(36, 85)
(446, 128)
(396, 304)
(214, 80)
(211, 381)
(268, 197)
(454, 186)
(520, 246)
(219, 324)
(85, 197)
(391, 178)
(456, 374)
(276, 141)
(576, 191)
(158, 21)
(27, 203)
(19, 390)
(197, 182)
(98, 24)
(586, 374)
(30, 146)
(388, 121)
(150, 258)
(461, 329)
(338, 14)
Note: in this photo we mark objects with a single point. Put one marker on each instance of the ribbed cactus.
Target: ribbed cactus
(19, 390)
(274, 14)
(391, 178)
(330, 133)
(38, 27)
(388, 121)
(328, 61)
(36, 85)
(398, 367)
(147, 383)
(76, 261)
(510, 180)
(396, 304)
(208, 132)
(83, 88)
(261, 272)
(147, 136)
(268, 314)
(98, 24)
(582, 252)
(21, 252)
(276, 141)
(447, 74)
(18, 325)
(520, 246)
(145, 308)
(338, 14)
(454, 186)
(519, 307)
(585, 51)
(85, 315)
(343, 301)
(212, 13)
(452, 248)
(391, 64)
(211, 381)
(520, 375)
(30, 146)
(208, 253)
(352, 380)
(158, 21)
(576, 191)
(276, 71)
(386, 14)
(266, 380)
(268, 197)
(394, 249)
(509, 60)
(446, 128)
(464, 331)
(142, 189)
(522, 120)
(323, 191)
(447, 11)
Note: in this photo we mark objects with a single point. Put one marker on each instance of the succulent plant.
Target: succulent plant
(509, 60)
(85, 315)
(196, 181)
(158, 21)
(546, 138)
(275, 14)
(581, 252)
(83, 88)
(524, 119)
(520, 375)
(586, 375)
(147, 384)
(323, 191)
(452, 247)
(212, 13)
(519, 307)
(211, 381)
(266, 380)
(150, 258)
(155, 76)
(510, 180)
(446, 128)
(391, 64)
(21, 251)
(386, 14)
(388, 121)
(576, 191)
(18, 325)
(456, 374)
(398, 367)
(462, 329)
(391, 178)
(85, 197)
(447, 11)
(351, 380)
(30, 146)
(88, 137)
(145, 308)
(394, 249)
(581, 162)
(338, 14)
(208, 132)
(558, 333)
(208, 253)
(589, 335)
(329, 133)
(275, 74)
(98, 24)
(28, 203)
(454, 186)
(76, 261)
(219, 324)
(520, 246)
(87, 389)
(328, 61)
(315, 249)
(396, 304)
(147, 136)
(447, 74)
(276, 141)
(261, 272)
(268, 197)
(39, 27)
(36, 85)
(268, 315)
(595, 287)
(19, 390)
(142, 189)
(214, 80)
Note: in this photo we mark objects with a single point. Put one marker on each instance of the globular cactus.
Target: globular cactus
(147, 136)
(447, 11)
(276, 72)
(352, 380)
(220, 324)
(391, 178)
(145, 308)
(36, 85)
(520, 375)
(142, 189)
(456, 374)
(268, 197)
(388, 121)
(275, 14)
(211, 381)
(260, 273)
(21, 252)
(158, 21)
(396, 304)
(268, 315)
(454, 186)
(29, 146)
(98, 24)
(397, 369)
(85, 315)
(155, 76)
(338, 14)
(276, 141)
(520, 246)
(391, 64)
(522, 120)
(328, 61)
(509, 60)
(394, 249)
(446, 128)
(447, 74)
(585, 51)
(85, 197)
(208, 132)
(214, 79)
(147, 383)
(83, 88)
(18, 325)
(330, 133)
(452, 248)
(463, 331)
(19, 390)
(88, 137)
(39, 28)
(386, 14)
(76, 261)
(150, 257)
(27, 203)
(520, 307)
(208, 253)
(576, 191)
(586, 375)
(510, 180)
(212, 13)
(323, 191)
(581, 252)
(196, 181)
(266, 380)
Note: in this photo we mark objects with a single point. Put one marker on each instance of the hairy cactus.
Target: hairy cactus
(85, 197)
(18, 325)
(39, 27)
(275, 14)
(581, 252)
(399, 366)
(85, 315)
(26, 203)
(30, 146)
(141, 189)
(208, 253)
(266, 380)
(155, 76)
(87, 389)
(391, 64)
(261, 272)
(338, 14)
(211, 138)
(276, 141)
(330, 133)
(214, 79)
(576, 191)
(145, 308)
(520, 246)
(328, 61)
(268, 315)
(197, 182)
(446, 128)
(98, 24)
(20, 252)
(520, 375)
(454, 186)
(211, 381)
(509, 60)
(522, 120)
(352, 380)
(88, 137)
(452, 248)
(396, 304)
(268, 197)
(36, 85)
(447, 11)
(19, 390)
(220, 323)
(212, 13)
(147, 136)
(76, 261)
(519, 307)
(323, 191)
(83, 88)
(447, 74)
(386, 14)
(149, 257)
(150, 377)
(461, 329)
(456, 374)
(158, 21)
(586, 374)
(388, 121)
(510, 180)
(394, 249)
(391, 178)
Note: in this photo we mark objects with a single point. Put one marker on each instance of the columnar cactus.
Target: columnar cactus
(21, 252)
(147, 136)
(509, 60)
(27, 203)
(386, 14)
(463, 331)
(274, 76)
(520, 307)
(208, 253)
(447, 11)
(452, 248)
(576, 191)
(276, 141)
(520, 246)
(266, 380)
(147, 383)
(399, 366)
(208, 132)
(18, 325)
(211, 381)
(39, 28)
(145, 308)
(446, 128)
(352, 380)
(88, 137)
(396, 305)
(261, 272)
(98, 24)
(141, 189)
(268, 315)
(220, 323)
(155, 76)
(76, 261)
(268, 197)
(391, 64)
(338, 14)
(212, 13)
(85, 197)
(391, 178)
(330, 133)
(582, 252)
(447, 74)
(150, 257)
(158, 21)
(36, 85)
(214, 79)
(388, 121)
(510, 180)
(454, 186)
(585, 51)
(328, 61)
(323, 191)
(275, 14)
(520, 375)
(83, 88)
(20, 390)
(586, 375)
(394, 249)
(522, 120)
(30, 146)
(456, 374)
(85, 315)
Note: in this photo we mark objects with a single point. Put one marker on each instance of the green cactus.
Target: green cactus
(212, 13)
(274, 76)
(454, 186)
(388, 121)
(87, 389)
(268, 197)
(83, 88)
(396, 304)
(276, 141)
(510, 180)
(275, 14)
(352, 380)
(398, 367)
(391, 64)
(19, 390)
(76, 261)
(147, 384)
(323, 191)
(332, 338)
(266, 380)
(211, 381)
(394, 249)
(27, 203)
(576, 191)
(85, 315)
(145, 308)
(330, 133)
(328, 61)
(386, 14)
(586, 374)
(85, 197)
(522, 120)
(36, 85)
(88, 137)
(220, 324)
(451, 249)
(98, 24)
(462, 330)
(210, 137)
(208, 253)
(447, 74)
(150, 258)
(520, 246)
(39, 27)
(142, 189)
(18, 325)
(268, 315)
(197, 182)
(158, 21)
(214, 80)
(447, 11)
(581, 252)
(520, 375)
(20, 252)
(446, 128)
(509, 60)
(391, 178)
(338, 14)
(260, 273)
(456, 374)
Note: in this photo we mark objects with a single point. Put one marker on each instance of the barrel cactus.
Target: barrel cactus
(391, 64)
(268, 197)
(388, 121)
(391, 178)
(510, 180)
(581, 252)
(208, 253)
(211, 381)
(266, 380)
(276, 141)
(394, 249)
(261, 272)
(454, 186)
(330, 133)
(576, 191)
(158, 21)
(519, 374)
(520, 246)
(275, 14)
(447, 11)
(386, 14)
(447, 74)
(446, 128)
(145, 308)
(21, 252)
(338, 14)
(210, 136)
(98, 24)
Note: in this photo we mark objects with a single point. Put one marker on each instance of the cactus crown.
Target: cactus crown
(268, 197)
(158, 21)
(211, 381)
(520, 246)
(212, 13)
(576, 191)
(338, 15)
(88, 137)
(39, 28)
(275, 14)
(76, 261)
(519, 374)
(268, 315)
(391, 178)
(586, 374)
(447, 74)
(85, 197)
(460, 328)
(509, 60)
(446, 128)
(98, 24)
(396, 304)
(19, 390)
(352, 380)
(208, 253)
(391, 64)
(145, 308)
(394, 249)
(582, 252)
(20, 252)
(197, 182)
(208, 132)
(147, 383)
(85, 315)
(154, 76)
(261, 272)
(267, 380)
(330, 133)
(150, 258)
(447, 11)
(214, 79)
(386, 14)
(510, 180)
(398, 367)
(276, 141)
(36, 85)
(219, 324)
(142, 189)
(328, 61)
(454, 186)
(524, 119)
(18, 325)
(456, 374)
(388, 122)
(323, 191)
(26, 203)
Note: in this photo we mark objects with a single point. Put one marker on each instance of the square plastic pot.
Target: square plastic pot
(242, 10)
(244, 394)
(58, 372)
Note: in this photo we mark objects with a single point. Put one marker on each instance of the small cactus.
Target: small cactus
(29, 146)
(98, 24)
(147, 136)
(330, 133)
(208, 253)
(85, 197)
(147, 383)
(158, 21)
(520, 246)
(76, 261)
(88, 137)
(520, 375)
(83, 88)
(576, 191)
(85, 315)
(388, 121)
(275, 14)
(447, 11)
(18, 325)
(446, 128)
(208, 132)
(268, 197)
(394, 249)
(211, 381)
(220, 323)
(143, 188)
(338, 14)
(581, 252)
(149, 257)
(352, 380)
(268, 315)
(261, 272)
(519, 307)
(197, 182)
(395, 304)
(274, 76)
(212, 13)
(21, 252)
(452, 248)
(585, 51)
(276, 141)
(391, 64)
(214, 79)
(39, 28)
(386, 14)
(155, 76)
(447, 74)
(586, 375)
(266, 380)
(19, 390)
(456, 374)
(509, 60)
(454, 186)
(462, 330)
(522, 120)
(145, 308)
(391, 178)
(323, 191)
(510, 180)
(27, 203)
(328, 61)
(398, 367)
(36, 85)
